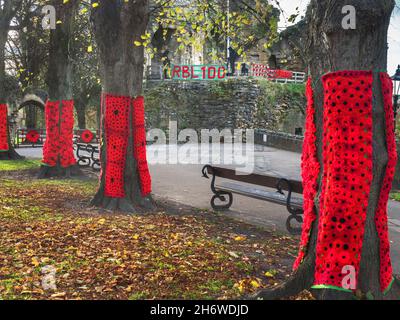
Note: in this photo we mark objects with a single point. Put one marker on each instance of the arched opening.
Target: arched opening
(31, 122)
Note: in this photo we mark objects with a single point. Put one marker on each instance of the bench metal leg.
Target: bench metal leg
(298, 218)
(221, 196)
(295, 214)
(83, 161)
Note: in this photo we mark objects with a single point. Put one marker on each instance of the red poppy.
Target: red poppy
(87, 136)
(32, 136)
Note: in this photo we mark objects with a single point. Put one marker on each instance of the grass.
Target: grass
(395, 196)
(17, 165)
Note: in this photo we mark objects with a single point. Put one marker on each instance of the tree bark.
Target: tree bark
(332, 48)
(80, 107)
(3, 40)
(6, 14)
(116, 26)
(59, 73)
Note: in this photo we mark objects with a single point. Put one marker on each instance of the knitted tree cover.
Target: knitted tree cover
(381, 221)
(116, 125)
(3, 128)
(347, 175)
(309, 172)
(67, 157)
(52, 144)
(58, 147)
(139, 143)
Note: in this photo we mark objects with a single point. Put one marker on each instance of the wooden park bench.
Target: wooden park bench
(223, 191)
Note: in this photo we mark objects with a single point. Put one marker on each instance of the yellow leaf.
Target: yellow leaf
(255, 284)
(137, 43)
(269, 274)
(65, 1)
(101, 221)
(84, 10)
(90, 49)
(35, 261)
(58, 22)
(95, 4)
(240, 238)
(136, 236)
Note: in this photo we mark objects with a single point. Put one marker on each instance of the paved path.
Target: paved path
(184, 184)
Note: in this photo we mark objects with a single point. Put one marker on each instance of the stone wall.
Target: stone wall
(279, 140)
(236, 103)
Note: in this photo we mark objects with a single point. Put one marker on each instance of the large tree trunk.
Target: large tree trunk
(331, 48)
(59, 73)
(3, 40)
(116, 26)
(5, 18)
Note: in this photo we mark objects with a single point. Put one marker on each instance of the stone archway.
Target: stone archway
(32, 102)
(32, 131)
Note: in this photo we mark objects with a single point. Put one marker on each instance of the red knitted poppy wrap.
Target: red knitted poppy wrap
(116, 127)
(347, 177)
(58, 146)
(3, 128)
(309, 173)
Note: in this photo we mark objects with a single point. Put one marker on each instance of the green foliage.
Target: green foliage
(275, 92)
(202, 22)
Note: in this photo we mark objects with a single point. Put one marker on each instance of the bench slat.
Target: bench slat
(255, 193)
(256, 179)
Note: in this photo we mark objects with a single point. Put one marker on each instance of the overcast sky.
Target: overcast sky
(289, 7)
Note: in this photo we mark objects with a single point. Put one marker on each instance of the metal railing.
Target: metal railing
(255, 70)
(30, 137)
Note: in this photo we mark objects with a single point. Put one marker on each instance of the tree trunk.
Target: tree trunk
(59, 73)
(80, 107)
(3, 40)
(332, 48)
(31, 117)
(116, 27)
(11, 154)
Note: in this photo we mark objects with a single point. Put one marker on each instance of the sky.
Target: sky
(289, 7)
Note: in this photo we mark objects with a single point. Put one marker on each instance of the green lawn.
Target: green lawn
(395, 196)
(19, 165)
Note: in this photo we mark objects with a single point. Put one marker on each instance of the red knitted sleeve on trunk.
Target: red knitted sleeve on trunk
(116, 126)
(381, 219)
(3, 128)
(347, 175)
(67, 157)
(52, 144)
(309, 172)
(139, 145)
